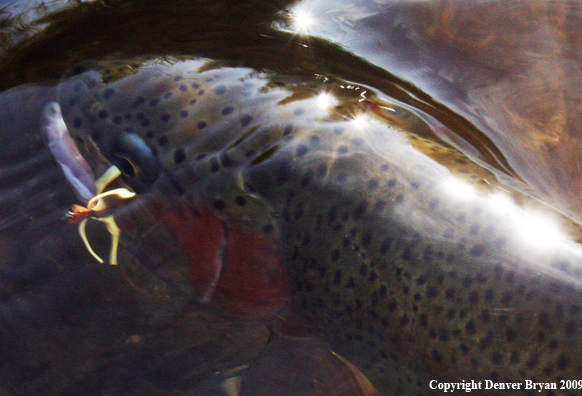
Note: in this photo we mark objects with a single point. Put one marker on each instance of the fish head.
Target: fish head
(161, 124)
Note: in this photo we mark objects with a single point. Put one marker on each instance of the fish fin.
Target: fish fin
(303, 366)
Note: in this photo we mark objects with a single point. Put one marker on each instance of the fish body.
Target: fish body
(290, 197)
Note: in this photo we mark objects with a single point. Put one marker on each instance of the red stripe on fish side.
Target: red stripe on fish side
(202, 235)
(253, 280)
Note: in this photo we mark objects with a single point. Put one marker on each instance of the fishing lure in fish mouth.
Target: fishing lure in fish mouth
(81, 214)
(80, 177)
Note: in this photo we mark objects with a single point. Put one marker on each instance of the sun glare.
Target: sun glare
(302, 22)
(459, 188)
(361, 121)
(325, 101)
(538, 230)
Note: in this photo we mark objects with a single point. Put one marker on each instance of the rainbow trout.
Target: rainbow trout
(295, 205)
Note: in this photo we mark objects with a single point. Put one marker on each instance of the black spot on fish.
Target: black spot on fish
(102, 115)
(192, 102)
(372, 184)
(432, 291)
(184, 113)
(367, 239)
(497, 358)
(383, 291)
(145, 123)
(351, 283)
(246, 120)
(563, 362)
(342, 149)
(321, 171)
(268, 228)
(314, 140)
(77, 123)
(363, 270)
(342, 178)
(165, 117)
(240, 200)
(138, 102)
(307, 178)
(184, 88)
(154, 102)
(474, 297)
(214, 166)
(96, 136)
(150, 134)
(437, 357)
(392, 306)
(201, 125)
(331, 215)
(201, 92)
(162, 140)
(288, 130)
(360, 210)
(464, 348)
(227, 110)
(514, 358)
(489, 295)
(471, 328)
(178, 78)
(506, 298)
(571, 329)
(533, 362)
(168, 95)
(219, 204)
(179, 156)
(226, 160)
(385, 246)
(299, 112)
(391, 183)
(379, 206)
(108, 93)
(301, 150)
(298, 211)
(220, 90)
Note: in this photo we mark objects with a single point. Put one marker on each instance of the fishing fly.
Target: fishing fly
(81, 215)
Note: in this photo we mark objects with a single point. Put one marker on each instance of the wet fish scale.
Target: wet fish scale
(407, 281)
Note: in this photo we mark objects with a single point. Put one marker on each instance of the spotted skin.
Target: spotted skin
(405, 280)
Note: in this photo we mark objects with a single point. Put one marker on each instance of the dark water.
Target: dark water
(497, 80)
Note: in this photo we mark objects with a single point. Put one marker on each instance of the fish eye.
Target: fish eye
(135, 159)
(125, 165)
